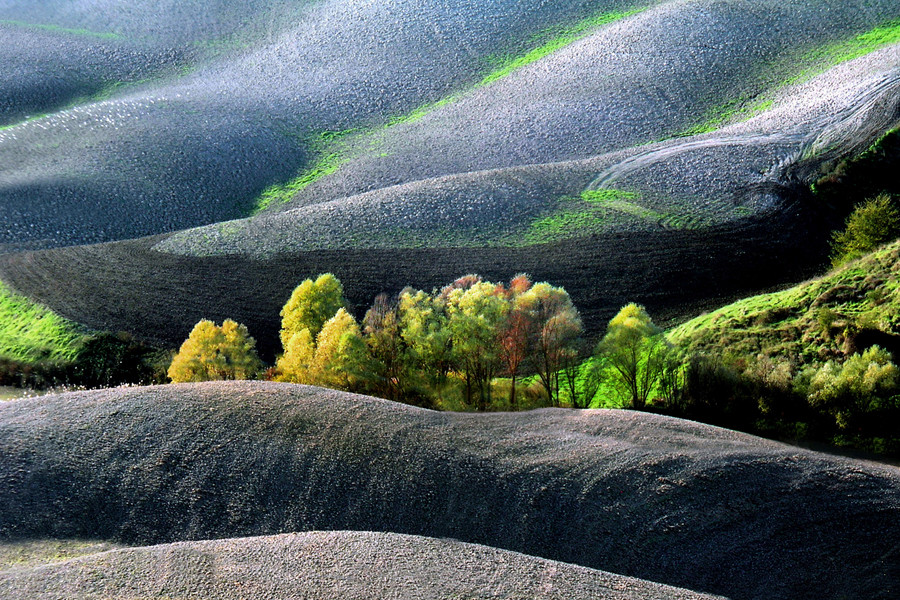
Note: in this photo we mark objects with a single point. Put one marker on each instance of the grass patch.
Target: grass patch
(63, 30)
(561, 39)
(804, 67)
(31, 332)
(563, 224)
(589, 213)
(35, 553)
(809, 323)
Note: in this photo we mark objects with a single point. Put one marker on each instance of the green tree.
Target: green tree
(871, 224)
(864, 384)
(311, 304)
(555, 327)
(476, 316)
(631, 351)
(215, 353)
(381, 328)
(341, 358)
(424, 329)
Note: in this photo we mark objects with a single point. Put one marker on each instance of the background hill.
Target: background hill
(632, 493)
(599, 145)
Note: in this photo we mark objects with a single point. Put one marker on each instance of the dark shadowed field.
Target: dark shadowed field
(160, 296)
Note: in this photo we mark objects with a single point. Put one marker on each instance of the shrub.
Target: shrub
(863, 385)
(871, 224)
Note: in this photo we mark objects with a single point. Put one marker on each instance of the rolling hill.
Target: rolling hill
(640, 495)
(598, 145)
(325, 565)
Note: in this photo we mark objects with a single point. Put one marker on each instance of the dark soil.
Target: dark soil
(159, 297)
(631, 493)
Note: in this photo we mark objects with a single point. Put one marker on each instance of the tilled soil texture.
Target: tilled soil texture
(341, 565)
(632, 493)
(159, 296)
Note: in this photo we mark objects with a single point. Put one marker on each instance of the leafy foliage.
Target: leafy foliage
(311, 304)
(864, 384)
(632, 350)
(873, 223)
(214, 353)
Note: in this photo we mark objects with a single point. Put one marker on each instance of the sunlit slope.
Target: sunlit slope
(334, 565)
(631, 493)
(246, 111)
(639, 79)
(731, 173)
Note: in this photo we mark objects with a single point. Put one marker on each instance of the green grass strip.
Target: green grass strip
(812, 63)
(31, 332)
(281, 193)
(64, 30)
(565, 37)
(334, 154)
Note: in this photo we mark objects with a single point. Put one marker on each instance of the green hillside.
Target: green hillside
(822, 319)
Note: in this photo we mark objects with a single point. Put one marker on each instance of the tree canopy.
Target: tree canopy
(213, 352)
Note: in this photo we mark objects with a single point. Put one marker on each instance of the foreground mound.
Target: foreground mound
(646, 496)
(325, 565)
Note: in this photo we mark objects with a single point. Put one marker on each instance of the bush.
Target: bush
(864, 386)
(871, 224)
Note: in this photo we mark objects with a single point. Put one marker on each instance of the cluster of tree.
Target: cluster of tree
(420, 346)
(855, 402)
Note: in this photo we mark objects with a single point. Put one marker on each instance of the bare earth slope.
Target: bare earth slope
(650, 497)
(340, 565)
(264, 80)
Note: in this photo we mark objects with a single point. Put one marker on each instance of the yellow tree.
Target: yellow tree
(632, 348)
(293, 366)
(311, 304)
(214, 353)
(340, 355)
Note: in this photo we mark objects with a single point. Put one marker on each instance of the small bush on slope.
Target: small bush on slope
(871, 224)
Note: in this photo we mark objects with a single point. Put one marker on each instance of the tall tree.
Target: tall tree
(555, 328)
(341, 357)
(423, 325)
(514, 332)
(310, 305)
(632, 349)
(477, 315)
(381, 328)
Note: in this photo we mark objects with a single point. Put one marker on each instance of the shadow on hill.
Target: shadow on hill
(126, 286)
